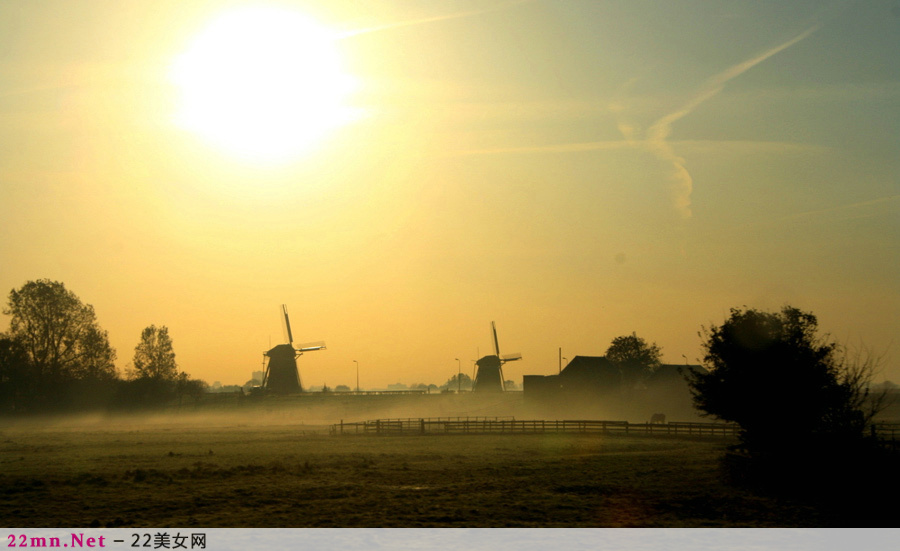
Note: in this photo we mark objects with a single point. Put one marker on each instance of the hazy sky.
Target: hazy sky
(400, 174)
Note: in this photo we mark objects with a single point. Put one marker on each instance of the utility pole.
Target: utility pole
(357, 375)
(458, 376)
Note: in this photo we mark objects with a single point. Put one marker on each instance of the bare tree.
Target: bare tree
(857, 368)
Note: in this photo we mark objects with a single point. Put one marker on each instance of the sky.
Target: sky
(402, 173)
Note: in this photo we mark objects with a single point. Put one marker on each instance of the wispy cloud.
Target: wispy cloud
(742, 147)
(702, 146)
(880, 206)
(655, 138)
(557, 148)
(433, 19)
(682, 184)
(846, 208)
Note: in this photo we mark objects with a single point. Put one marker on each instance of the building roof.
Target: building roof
(590, 370)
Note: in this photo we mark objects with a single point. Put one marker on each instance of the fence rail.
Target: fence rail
(887, 432)
(485, 425)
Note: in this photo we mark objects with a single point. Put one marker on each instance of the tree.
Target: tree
(14, 374)
(192, 388)
(155, 379)
(634, 357)
(154, 357)
(465, 382)
(802, 403)
(59, 334)
(791, 391)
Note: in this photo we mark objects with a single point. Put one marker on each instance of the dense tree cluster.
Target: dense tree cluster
(54, 351)
(802, 404)
(459, 381)
(56, 356)
(786, 386)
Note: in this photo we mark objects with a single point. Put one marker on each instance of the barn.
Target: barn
(591, 386)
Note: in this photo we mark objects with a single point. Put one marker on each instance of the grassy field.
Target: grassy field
(215, 473)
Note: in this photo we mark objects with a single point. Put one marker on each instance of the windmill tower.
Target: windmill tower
(281, 374)
(489, 377)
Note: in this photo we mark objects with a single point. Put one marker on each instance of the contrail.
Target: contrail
(661, 128)
(654, 139)
(682, 182)
(841, 208)
(411, 22)
(812, 214)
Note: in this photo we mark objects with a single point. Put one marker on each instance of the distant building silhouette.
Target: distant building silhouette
(593, 385)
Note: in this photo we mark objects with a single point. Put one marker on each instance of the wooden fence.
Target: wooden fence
(887, 432)
(510, 425)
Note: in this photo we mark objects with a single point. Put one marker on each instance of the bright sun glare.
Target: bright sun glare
(262, 83)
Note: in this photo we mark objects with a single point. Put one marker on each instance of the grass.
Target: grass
(278, 475)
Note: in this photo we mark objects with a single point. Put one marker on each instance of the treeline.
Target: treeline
(55, 357)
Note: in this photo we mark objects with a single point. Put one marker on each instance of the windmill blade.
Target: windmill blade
(265, 374)
(511, 357)
(287, 324)
(496, 343)
(310, 346)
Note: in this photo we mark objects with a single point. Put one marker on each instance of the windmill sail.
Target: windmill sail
(496, 343)
(287, 324)
(310, 346)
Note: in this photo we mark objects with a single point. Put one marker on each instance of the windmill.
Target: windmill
(281, 374)
(489, 377)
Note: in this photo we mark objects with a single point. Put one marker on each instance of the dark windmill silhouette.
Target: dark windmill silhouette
(281, 374)
(489, 377)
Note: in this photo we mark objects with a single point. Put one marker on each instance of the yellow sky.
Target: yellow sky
(573, 171)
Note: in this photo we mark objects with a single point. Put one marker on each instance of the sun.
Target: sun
(263, 83)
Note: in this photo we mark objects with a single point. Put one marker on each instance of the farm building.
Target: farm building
(592, 385)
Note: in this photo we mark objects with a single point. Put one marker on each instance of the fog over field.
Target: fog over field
(276, 464)
(147, 473)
